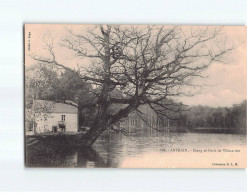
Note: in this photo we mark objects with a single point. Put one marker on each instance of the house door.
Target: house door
(54, 128)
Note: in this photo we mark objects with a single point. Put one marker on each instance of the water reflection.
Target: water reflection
(111, 149)
(66, 157)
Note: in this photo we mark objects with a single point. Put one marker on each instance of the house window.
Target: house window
(132, 121)
(63, 117)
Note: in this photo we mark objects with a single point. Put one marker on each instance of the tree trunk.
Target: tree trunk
(102, 120)
(91, 136)
(100, 124)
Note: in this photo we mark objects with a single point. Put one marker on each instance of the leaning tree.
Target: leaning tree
(147, 64)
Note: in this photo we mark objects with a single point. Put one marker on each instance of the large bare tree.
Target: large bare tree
(147, 64)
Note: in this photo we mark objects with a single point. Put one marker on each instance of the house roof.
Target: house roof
(45, 106)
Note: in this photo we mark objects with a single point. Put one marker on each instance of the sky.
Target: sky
(226, 83)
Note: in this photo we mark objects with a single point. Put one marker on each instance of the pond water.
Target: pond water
(117, 150)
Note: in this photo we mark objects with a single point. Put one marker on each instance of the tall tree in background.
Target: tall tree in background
(40, 83)
(148, 64)
(45, 83)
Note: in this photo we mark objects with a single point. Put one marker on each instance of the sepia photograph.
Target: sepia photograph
(135, 96)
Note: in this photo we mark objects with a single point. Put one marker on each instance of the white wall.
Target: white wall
(52, 120)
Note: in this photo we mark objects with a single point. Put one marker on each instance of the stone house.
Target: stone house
(49, 116)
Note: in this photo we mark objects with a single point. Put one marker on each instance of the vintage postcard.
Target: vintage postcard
(135, 96)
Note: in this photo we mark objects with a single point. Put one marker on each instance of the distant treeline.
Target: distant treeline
(218, 120)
